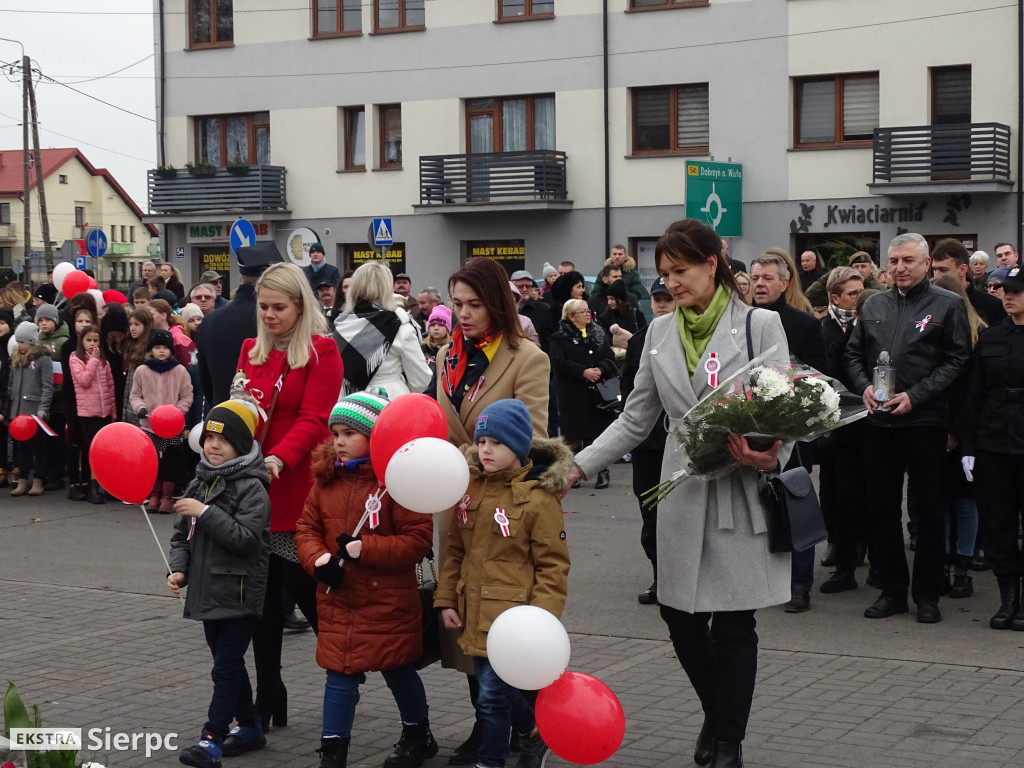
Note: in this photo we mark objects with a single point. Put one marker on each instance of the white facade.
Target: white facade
(750, 54)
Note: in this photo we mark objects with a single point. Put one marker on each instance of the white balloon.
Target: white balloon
(61, 271)
(12, 344)
(97, 294)
(528, 647)
(194, 436)
(427, 475)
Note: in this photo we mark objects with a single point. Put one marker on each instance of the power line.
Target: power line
(109, 74)
(80, 141)
(49, 79)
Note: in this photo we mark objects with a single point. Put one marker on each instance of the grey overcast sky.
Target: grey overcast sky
(73, 41)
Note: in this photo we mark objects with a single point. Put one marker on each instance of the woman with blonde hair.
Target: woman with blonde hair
(396, 361)
(172, 280)
(292, 370)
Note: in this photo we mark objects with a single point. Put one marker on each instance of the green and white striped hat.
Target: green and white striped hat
(359, 410)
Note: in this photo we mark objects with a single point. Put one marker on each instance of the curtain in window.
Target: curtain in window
(414, 16)
(353, 15)
(357, 138)
(209, 140)
(200, 21)
(263, 145)
(513, 125)
(392, 120)
(652, 119)
(817, 111)
(513, 7)
(860, 107)
(225, 21)
(481, 133)
(387, 13)
(692, 118)
(544, 123)
(238, 140)
(326, 16)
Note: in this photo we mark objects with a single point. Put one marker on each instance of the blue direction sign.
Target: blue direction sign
(243, 234)
(80, 262)
(382, 232)
(96, 243)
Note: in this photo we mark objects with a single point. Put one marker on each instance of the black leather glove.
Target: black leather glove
(330, 573)
(343, 539)
(142, 413)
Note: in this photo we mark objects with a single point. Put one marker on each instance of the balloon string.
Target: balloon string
(158, 545)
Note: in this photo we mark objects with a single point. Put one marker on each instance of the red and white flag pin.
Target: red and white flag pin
(373, 510)
(711, 367)
(500, 519)
(463, 505)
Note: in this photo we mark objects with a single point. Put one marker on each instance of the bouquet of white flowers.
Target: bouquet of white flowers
(764, 402)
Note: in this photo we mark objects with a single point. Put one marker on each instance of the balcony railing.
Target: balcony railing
(257, 188)
(492, 177)
(8, 231)
(942, 153)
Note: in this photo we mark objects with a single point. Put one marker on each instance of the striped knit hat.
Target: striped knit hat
(359, 410)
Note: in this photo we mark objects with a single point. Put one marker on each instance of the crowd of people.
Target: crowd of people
(544, 385)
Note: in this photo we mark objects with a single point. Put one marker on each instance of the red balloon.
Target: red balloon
(580, 719)
(166, 421)
(75, 283)
(92, 283)
(405, 418)
(22, 427)
(124, 461)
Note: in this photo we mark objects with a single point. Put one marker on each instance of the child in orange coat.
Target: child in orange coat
(368, 596)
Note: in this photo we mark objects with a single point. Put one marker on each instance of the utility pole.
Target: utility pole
(26, 79)
(47, 248)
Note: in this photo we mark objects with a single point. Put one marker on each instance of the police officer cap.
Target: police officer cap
(254, 259)
(1014, 280)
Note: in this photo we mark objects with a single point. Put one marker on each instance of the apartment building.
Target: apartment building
(534, 131)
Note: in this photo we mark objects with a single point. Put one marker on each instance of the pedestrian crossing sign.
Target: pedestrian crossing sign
(382, 233)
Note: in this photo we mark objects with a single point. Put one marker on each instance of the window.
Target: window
(123, 238)
(5, 213)
(5, 256)
(951, 95)
(131, 234)
(390, 118)
(79, 215)
(332, 18)
(113, 233)
(510, 124)
(835, 111)
(525, 9)
(650, 5)
(62, 178)
(210, 23)
(355, 138)
(396, 15)
(224, 139)
(671, 119)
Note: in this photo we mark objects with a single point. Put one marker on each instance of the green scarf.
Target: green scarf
(695, 330)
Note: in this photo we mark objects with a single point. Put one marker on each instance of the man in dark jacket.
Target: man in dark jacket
(925, 333)
(318, 268)
(950, 257)
(769, 279)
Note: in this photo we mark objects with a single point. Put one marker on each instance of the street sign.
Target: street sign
(382, 232)
(179, 252)
(714, 195)
(96, 242)
(80, 262)
(243, 234)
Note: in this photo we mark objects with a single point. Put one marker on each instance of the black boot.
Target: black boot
(333, 752)
(963, 584)
(831, 558)
(1009, 599)
(465, 753)
(95, 495)
(726, 755)
(704, 748)
(416, 745)
(76, 492)
(273, 708)
(603, 478)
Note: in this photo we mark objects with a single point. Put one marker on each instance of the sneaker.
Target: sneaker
(519, 741)
(839, 581)
(649, 596)
(243, 738)
(534, 754)
(205, 753)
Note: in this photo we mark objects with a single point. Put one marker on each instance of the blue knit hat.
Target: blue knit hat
(508, 422)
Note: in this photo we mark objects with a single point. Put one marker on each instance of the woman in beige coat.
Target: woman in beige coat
(488, 359)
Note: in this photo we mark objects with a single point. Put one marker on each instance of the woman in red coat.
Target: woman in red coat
(294, 371)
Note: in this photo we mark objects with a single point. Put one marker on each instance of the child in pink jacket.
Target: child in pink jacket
(95, 398)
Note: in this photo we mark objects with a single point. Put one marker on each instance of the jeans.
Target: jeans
(232, 692)
(802, 573)
(494, 709)
(342, 691)
(966, 511)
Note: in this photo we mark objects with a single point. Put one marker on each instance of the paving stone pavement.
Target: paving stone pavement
(95, 650)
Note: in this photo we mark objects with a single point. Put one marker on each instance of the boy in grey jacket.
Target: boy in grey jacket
(221, 549)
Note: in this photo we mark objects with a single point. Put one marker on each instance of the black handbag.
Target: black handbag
(431, 626)
(795, 522)
(607, 394)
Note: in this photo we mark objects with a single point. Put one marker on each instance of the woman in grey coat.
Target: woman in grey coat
(714, 567)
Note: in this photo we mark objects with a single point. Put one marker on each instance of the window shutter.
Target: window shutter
(652, 119)
(952, 95)
(692, 122)
(860, 107)
(817, 122)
